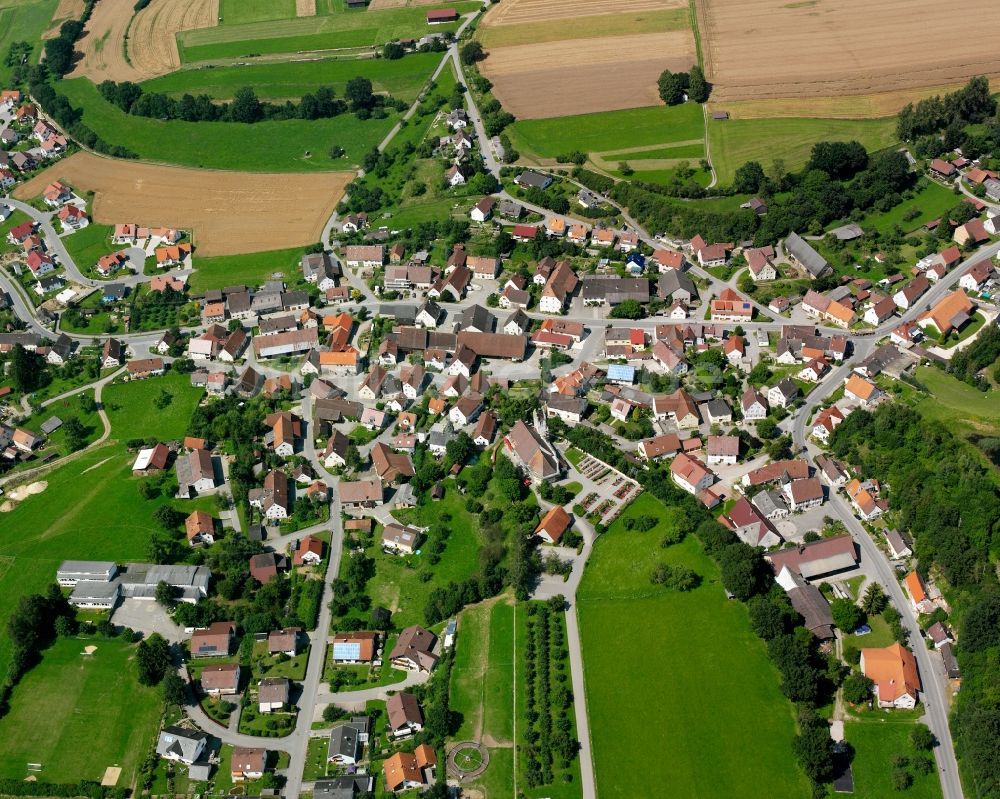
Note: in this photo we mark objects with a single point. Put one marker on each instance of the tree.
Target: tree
(153, 658)
(698, 87)
(393, 51)
(846, 615)
(671, 87)
(164, 594)
(246, 107)
(857, 688)
(629, 309)
(65, 626)
(174, 689)
(874, 600)
(766, 618)
(749, 178)
(921, 738)
(744, 571)
(471, 52)
(813, 747)
(76, 434)
(901, 779)
(25, 369)
(358, 93)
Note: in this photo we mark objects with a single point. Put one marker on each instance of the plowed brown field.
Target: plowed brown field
(760, 49)
(230, 212)
(536, 81)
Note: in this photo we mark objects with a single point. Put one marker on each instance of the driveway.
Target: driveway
(147, 617)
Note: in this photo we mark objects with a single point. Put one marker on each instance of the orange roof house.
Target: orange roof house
(859, 388)
(918, 595)
(553, 525)
(949, 314)
(893, 669)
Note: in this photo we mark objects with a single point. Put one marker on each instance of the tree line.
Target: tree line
(245, 106)
(949, 501)
(971, 104)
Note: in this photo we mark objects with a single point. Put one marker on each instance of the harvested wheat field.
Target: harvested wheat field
(103, 43)
(152, 39)
(67, 9)
(536, 81)
(229, 212)
(759, 49)
(517, 12)
(305, 8)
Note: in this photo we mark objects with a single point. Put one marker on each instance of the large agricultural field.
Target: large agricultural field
(152, 37)
(681, 713)
(76, 714)
(293, 145)
(229, 212)
(23, 22)
(757, 49)
(542, 67)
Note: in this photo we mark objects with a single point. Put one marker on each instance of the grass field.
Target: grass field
(252, 270)
(931, 200)
(954, 399)
(402, 78)
(87, 245)
(239, 12)
(332, 31)
(875, 742)
(611, 131)
(23, 22)
(132, 415)
(65, 409)
(677, 714)
(78, 714)
(278, 146)
(736, 141)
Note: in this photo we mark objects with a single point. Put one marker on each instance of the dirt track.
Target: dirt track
(555, 79)
(761, 49)
(230, 212)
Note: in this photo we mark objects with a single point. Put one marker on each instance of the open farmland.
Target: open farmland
(712, 681)
(239, 12)
(291, 145)
(102, 44)
(230, 212)
(836, 47)
(152, 39)
(23, 22)
(537, 81)
(736, 141)
(67, 9)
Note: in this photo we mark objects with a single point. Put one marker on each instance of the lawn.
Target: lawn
(252, 269)
(77, 714)
(736, 141)
(238, 12)
(132, 414)
(931, 200)
(347, 29)
(875, 743)
(87, 245)
(276, 146)
(397, 584)
(679, 713)
(952, 397)
(610, 131)
(402, 78)
(65, 409)
(12, 221)
(24, 22)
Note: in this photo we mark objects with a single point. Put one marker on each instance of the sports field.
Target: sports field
(612, 132)
(346, 29)
(77, 714)
(402, 78)
(217, 206)
(294, 145)
(875, 743)
(695, 687)
(736, 141)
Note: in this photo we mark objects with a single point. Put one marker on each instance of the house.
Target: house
(344, 747)
(907, 296)
(361, 493)
(346, 786)
(370, 256)
(710, 254)
(391, 467)
(804, 493)
(561, 283)
(200, 528)
(690, 474)
(750, 525)
(273, 694)
(309, 552)
(181, 745)
(973, 231)
(195, 473)
(898, 546)
(817, 559)
(802, 253)
(723, 449)
(286, 429)
(950, 313)
(771, 504)
(73, 217)
(553, 524)
(753, 404)
(659, 447)
(944, 170)
(918, 594)
(414, 650)
(486, 427)
(893, 669)
(355, 647)
(144, 367)
(679, 407)
(401, 539)
(403, 771)
(532, 452)
(825, 423)
(730, 306)
(173, 255)
(284, 641)
(222, 679)
(938, 635)
(533, 180)
(483, 209)
(880, 311)
(216, 640)
(759, 261)
(783, 393)
(405, 717)
(151, 459)
(857, 389)
(976, 276)
(674, 285)
(247, 763)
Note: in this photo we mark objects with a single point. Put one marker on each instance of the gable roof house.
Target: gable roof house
(221, 679)
(750, 525)
(273, 499)
(216, 640)
(950, 313)
(817, 559)
(553, 524)
(809, 602)
(195, 473)
(185, 746)
(414, 650)
(690, 474)
(200, 528)
(391, 467)
(893, 669)
(803, 254)
(532, 452)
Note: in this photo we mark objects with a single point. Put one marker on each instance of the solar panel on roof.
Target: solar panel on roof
(347, 651)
